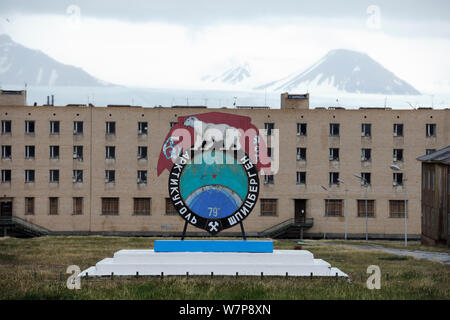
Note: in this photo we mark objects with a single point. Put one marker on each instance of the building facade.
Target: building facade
(88, 170)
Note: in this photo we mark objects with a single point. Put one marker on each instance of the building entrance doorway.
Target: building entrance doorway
(300, 210)
(6, 209)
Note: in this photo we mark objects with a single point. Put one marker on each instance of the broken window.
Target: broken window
(6, 152)
(110, 176)
(142, 176)
(54, 127)
(365, 178)
(398, 130)
(301, 129)
(54, 152)
(29, 176)
(142, 152)
(110, 152)
(334, 154)
(366, 154)
(77, 127)
(29, 127)
(110, 127)
(268, 127)
(398, 155)
(54, 176)
(397, 179)
(431, 130)
(366, 130)
(268, 179)
(78, 152)
(334, 178)
(301, 177)
(142, 128)
(29, 152)
(6, 176)
(301, 154)
(6, 126)
(334, 129)
(77, 176)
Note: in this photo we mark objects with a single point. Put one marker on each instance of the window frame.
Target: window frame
(110, 129)
(371, 209)
(302, 129)
(140, 174)
(76, 205)
(53, 206)
(142, 128)
(301, 178)
(52, 176)
(78, 128)
(30, 176)
(366, 130)
(4, 175)
(337, 205)
(29, 123)
(269, 207)
(6, 147)
(143, 210)
(110, 206)
(4, 127)
(170, 208)
(396, 130)
(335, 130)
(52, 127)
(301, 154)
(77, 176)
(399, 206)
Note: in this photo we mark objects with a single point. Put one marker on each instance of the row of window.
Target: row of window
(334, 208)
(142, 206)
(110, 152)
(333, 178)
(366, 154)
(77, 177)
(110, 177)
(30, 127)
(366, 128)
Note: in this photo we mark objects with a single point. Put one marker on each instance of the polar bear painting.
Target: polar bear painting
(212, 133)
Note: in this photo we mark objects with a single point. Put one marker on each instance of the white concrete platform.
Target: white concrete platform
(298, 263)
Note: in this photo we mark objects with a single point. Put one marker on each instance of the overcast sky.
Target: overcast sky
(175, 43)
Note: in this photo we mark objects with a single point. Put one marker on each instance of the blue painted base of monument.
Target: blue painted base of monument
(213, 246)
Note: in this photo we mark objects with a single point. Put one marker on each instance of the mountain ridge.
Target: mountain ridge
(20, 65)
(344, 70)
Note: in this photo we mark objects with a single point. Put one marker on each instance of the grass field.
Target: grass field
(31, 269)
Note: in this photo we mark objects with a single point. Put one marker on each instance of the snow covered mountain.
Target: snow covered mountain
(20, 65)
(344, 71)
(232, 76)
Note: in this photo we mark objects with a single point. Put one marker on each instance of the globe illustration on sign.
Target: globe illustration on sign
(214, 184)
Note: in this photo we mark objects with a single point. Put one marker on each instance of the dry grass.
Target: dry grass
(47, 257)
